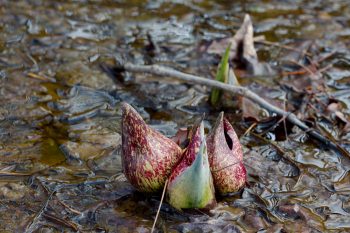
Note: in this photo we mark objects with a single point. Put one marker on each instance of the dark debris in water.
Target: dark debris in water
(60, 166)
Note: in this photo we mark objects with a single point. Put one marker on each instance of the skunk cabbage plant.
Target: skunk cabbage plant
(225, 157)
(148, 157)
(191, 184)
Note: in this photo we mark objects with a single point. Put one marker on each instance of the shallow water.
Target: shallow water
(60, 166)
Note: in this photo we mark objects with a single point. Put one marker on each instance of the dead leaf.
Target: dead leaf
(243, 52)
(302, 214)
(334, 109)
(254, 220)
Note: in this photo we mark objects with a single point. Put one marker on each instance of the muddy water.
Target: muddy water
(59, 114)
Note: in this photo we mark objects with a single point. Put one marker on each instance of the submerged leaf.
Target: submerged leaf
(191, 184)
(225, 157)
(148, 156)
(221, 75)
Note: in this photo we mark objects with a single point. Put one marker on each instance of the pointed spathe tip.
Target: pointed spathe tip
(247, 17)
(221, 116)
(128, 111)
(218, 123)
(191, 183)
(125, 107)
(201, 130)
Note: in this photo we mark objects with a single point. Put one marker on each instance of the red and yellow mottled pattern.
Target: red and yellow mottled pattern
(226, 164)
(148, 157)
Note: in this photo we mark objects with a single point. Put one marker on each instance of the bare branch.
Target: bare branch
(238, 90)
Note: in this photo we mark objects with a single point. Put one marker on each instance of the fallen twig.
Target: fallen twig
(279, 150)
(69, 208)
(234, 89)
(4, 173)
(60, 221)
(32, 226)
(307, 69)
(275, 44)
(249, 129)
(40, 77)
(160, 205)
(304, 69)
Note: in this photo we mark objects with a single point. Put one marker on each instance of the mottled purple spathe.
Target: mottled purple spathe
(148, 157)
(225, 157)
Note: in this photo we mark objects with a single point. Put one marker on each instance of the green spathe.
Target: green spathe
(193, 187)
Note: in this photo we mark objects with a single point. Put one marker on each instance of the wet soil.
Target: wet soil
(60, 166)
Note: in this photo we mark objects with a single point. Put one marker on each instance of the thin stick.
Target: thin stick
(160, 205)
(60, 221)
(284, 119)
(265, 42)
(40, 77)
(4, 173)
(249, 129)
(238, 90)
(30, 227)
(69, 208)
(304, 67)
(282, 153)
